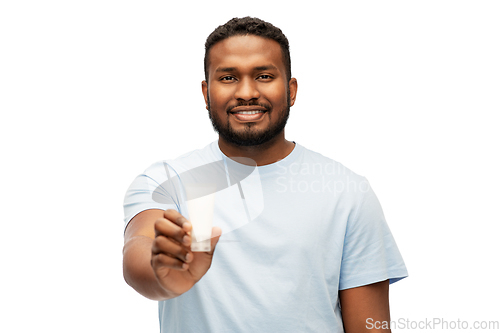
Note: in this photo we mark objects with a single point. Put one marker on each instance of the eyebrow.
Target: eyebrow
(225, 69)
(265, 68)
(258, 68)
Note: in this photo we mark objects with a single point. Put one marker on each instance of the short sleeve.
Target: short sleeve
(370, 252)
(155, 188)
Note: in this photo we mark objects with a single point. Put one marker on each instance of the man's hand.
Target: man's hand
(176, 267)
(157, 258)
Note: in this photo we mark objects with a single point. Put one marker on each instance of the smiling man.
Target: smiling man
(314, 253)
(248, 91)
(251, 93)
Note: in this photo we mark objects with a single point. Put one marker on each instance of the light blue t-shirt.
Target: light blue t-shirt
(295, 232)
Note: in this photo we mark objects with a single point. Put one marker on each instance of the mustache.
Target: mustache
(264, 105)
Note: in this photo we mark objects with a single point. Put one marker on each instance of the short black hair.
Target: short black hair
(249, 26)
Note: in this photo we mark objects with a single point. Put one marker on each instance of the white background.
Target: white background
(405, 93)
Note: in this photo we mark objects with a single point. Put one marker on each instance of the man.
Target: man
(300, 243)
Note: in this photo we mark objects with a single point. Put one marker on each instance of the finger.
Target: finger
(167, 228)
(178, 219)
(164, 245)
(161, 260)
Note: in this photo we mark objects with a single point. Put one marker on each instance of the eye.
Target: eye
(227, 78)
(265, 77)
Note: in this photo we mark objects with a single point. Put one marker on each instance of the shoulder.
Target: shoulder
(319, 164)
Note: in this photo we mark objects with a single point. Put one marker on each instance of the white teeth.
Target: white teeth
(249, 112)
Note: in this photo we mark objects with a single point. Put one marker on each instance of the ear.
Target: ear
(292, 85)
(204, 89)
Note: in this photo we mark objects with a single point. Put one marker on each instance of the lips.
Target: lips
(248, 108)
(249, 113)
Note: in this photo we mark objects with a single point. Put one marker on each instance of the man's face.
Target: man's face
(248, 96)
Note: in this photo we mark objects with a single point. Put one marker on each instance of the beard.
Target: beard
(250, 136)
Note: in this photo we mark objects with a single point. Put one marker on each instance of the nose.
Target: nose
(247, 90)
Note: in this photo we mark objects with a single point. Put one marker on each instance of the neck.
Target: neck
(270, 152)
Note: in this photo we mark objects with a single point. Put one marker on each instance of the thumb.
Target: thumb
(216, 233)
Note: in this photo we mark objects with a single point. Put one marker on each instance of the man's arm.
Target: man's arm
(366, 308)
(157, 258)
